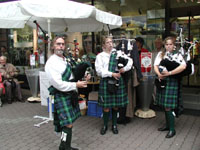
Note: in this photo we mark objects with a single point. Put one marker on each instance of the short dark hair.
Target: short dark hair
(3, 47)
(140, 39)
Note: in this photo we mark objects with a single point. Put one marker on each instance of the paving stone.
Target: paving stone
(16, 121)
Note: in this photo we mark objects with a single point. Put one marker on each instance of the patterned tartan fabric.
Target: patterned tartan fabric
(168, 96)
(66, 113)
(62, 103)
(107, 100)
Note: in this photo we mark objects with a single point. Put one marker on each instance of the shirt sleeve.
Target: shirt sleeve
(158, 59)
(55, 78)
(101, 67)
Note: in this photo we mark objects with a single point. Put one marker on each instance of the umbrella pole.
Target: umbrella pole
(49, 35)
(45, 39)
(46, 119)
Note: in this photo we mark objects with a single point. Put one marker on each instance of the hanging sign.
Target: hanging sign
(32, 60)
(146, 59)
(42, 59)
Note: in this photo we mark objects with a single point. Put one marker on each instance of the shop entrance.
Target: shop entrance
(191, 84)
(191, 31)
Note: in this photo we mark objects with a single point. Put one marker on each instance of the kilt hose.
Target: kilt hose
(168, 97)
(118, 99)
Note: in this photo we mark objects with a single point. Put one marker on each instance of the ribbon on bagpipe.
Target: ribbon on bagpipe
(184, 42)
(75, 52)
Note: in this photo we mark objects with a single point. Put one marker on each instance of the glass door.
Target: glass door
(191, 31)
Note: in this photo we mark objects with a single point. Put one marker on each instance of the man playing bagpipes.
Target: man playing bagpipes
(64, 90)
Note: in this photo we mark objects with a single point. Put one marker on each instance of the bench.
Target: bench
(20, 82)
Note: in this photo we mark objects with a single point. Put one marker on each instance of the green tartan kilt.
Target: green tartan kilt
(66, 113)
(168, 96)
(107, 100)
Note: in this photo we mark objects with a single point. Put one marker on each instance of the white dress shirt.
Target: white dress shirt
(176, 57)
(54, 68)
(102, 64)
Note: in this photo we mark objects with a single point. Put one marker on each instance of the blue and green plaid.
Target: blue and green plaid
(168, 96)
(107, 100)
(62, 103)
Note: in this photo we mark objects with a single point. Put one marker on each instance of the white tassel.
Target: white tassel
(63, 136)
(182, 51)
(130, 47)
(188, 57)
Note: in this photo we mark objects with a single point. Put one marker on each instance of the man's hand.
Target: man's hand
(81, 84)
(116, 75)
(121, 70)
(87, 77)
(160, 76)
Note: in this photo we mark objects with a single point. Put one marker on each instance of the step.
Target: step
(191, 98)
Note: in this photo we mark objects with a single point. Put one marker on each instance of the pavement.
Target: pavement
(17, 131)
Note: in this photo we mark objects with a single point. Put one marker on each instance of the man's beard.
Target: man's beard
(59, 52)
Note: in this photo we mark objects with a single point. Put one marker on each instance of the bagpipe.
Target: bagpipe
(171, 65)
(79, 67)
(113, 84)
(79, 70)
(184, 48)
(124, 49)
(122, 60)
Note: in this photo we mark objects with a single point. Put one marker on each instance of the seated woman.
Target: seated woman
(2, 90)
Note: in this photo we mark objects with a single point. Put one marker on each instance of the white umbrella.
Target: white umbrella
(68, 16)
(73, 16)
(11, 16)
(56, 16)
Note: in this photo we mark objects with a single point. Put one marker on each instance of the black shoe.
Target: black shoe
(61, 147)
(163, 129)
(170, 134)
(128, 119)
(114, 129)
(9, 101)
(21, 100)
(1, 104)
(124, 121)
(72, 148)
(103, 130)
(121, 121)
